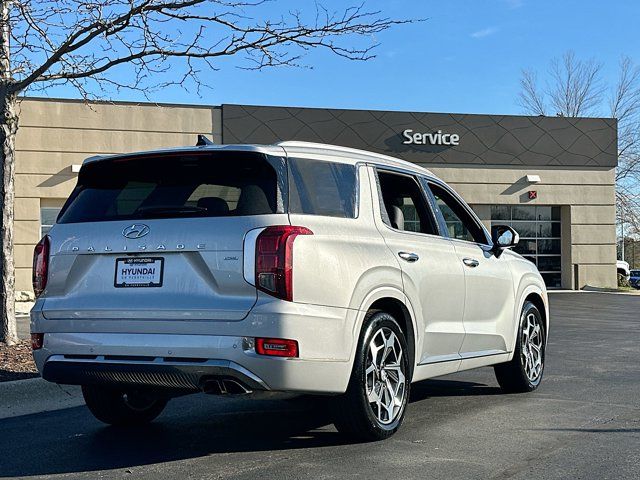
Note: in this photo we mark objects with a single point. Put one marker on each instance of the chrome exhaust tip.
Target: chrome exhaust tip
(223, 386)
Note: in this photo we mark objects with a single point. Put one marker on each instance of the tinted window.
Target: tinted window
(193, 185)
(459, 223)
(322, 188)
(403, 204)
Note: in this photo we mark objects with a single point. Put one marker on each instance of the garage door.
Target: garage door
(539, 229)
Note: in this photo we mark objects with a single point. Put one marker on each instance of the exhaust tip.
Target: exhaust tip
(211, 387)
(234, 387)
(223, 386)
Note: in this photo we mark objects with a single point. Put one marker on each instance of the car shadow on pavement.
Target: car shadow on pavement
(72, 441)
(450, 388)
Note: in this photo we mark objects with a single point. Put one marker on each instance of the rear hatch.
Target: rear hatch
(160, 236)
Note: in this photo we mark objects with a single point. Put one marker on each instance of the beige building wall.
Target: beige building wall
(56, 134)
(587, 201)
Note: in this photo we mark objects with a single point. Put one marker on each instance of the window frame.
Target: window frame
(383, 209)
(45, 225)
(426, 182)
(535, 256)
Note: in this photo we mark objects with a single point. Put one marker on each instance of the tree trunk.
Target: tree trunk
(8, 129)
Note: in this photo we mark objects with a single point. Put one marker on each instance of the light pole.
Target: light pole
(622, 232)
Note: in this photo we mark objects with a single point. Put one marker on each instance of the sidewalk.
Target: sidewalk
(23, 326)
(596, 290)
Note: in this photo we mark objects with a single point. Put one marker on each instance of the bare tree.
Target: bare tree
(575, 88)
(158, 43)
(531, 98)
(624, 105)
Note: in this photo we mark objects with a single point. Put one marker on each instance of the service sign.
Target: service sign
(431, 138)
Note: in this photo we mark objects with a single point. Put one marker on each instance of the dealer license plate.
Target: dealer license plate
(139, 272)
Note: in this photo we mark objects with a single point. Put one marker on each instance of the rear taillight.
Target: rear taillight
(37, 341)
(40, 265)
(276, 347)
(274, 260)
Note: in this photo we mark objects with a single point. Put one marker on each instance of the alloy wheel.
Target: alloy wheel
(385, 376)
(532, 351)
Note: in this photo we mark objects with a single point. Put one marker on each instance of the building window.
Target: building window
(539, 229)
(48, 217)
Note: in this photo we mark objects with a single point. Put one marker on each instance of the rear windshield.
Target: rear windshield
(322, 188)
(216, 184)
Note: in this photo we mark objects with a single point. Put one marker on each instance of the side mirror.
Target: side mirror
(503, 237)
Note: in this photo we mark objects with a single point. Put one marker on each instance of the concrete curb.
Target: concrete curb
(613, 292)
(24, 397)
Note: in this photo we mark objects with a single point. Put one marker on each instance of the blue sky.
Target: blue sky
(466, 57)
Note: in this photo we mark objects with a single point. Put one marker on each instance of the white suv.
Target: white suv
(295, 267)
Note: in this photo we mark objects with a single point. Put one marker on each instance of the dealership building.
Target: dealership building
(551, 178)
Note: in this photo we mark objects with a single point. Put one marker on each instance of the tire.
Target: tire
(121, 407)
(524, 372)
(359, 413)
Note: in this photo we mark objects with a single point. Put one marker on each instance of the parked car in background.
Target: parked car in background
(634, 278)
(294, 267)
(623, 269)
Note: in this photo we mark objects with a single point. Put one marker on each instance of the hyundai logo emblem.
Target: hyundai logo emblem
(137, 230)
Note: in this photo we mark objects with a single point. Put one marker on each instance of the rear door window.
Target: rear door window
(324, 188)
(403, 205)
(216, 184)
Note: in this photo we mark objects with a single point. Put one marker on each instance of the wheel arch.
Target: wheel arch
(538, 301)
(395, 303)
(400, 312)
(538, 296)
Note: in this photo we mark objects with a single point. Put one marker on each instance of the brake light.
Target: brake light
(276, 347)
(40, 265)
(274, 260)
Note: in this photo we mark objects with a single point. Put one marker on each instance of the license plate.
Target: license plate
(139, 272)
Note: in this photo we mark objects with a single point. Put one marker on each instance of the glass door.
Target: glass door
(540, 240)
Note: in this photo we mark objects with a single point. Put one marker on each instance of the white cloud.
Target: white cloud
(514, 3)
(485, 32)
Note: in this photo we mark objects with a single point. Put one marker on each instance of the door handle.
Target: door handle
(408, 256)
(471, 262)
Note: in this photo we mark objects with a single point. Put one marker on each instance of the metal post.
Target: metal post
(622, 231)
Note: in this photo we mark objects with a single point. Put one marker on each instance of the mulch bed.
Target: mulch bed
(16, 362)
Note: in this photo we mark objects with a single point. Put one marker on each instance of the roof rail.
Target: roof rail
(346, 151)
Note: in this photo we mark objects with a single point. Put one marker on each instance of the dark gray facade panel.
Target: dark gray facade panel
(483, 139)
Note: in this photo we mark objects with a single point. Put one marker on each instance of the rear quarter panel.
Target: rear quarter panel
(345, 259)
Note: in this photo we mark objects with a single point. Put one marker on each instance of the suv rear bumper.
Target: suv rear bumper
(182, 362)
(214, 376)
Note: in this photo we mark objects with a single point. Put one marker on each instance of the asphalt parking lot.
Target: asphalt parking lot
(582, 423)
